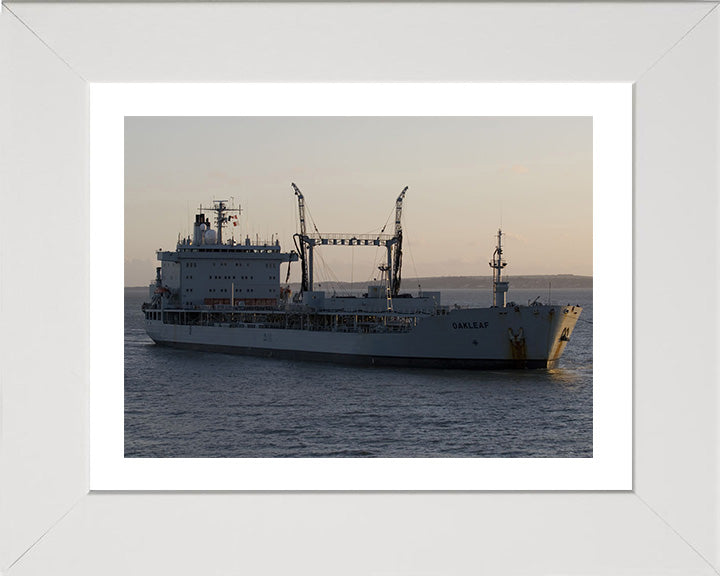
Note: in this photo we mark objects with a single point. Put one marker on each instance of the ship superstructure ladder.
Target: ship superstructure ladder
(306, 242)
(388, 294)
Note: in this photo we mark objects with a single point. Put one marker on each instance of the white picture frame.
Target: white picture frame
(609, 106)
(668, 524)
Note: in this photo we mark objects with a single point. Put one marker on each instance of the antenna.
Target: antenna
(497, 263)
(221, 208)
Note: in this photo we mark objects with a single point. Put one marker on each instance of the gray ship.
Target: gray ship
(224, 296)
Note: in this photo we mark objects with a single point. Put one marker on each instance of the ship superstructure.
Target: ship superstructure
(217, 294)
(205, 271)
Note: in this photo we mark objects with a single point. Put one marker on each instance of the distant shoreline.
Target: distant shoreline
(559, 281)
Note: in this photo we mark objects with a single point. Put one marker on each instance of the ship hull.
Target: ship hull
(487, 338)
(363, 360)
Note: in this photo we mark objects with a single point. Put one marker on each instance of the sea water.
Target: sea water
(187, 404)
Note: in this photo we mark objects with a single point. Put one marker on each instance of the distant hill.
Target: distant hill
(481, 282)
(559, 281)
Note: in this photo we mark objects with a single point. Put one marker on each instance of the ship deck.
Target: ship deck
(300, 319)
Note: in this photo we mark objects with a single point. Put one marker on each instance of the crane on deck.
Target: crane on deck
(397, 246)
(305, 244)
(302, 236)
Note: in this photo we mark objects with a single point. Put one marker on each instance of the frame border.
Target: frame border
(683, 530)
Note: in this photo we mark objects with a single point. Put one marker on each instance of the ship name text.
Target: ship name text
(469, 325)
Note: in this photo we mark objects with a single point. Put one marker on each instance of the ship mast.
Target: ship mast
(500, 287)
(220, 218)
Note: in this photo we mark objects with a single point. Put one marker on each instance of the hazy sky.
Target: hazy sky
(465, 176)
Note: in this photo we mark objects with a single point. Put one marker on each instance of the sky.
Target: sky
(467, 176)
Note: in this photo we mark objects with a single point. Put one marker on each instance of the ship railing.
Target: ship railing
(278, 319)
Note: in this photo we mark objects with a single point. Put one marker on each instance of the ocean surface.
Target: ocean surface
(186, 404)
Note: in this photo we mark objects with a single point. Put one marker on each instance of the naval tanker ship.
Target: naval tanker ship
(220, 295)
